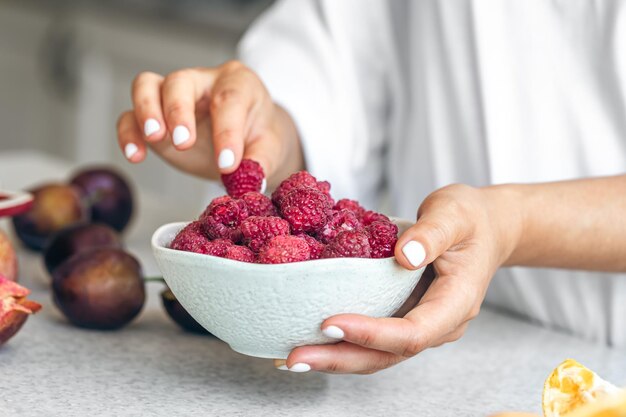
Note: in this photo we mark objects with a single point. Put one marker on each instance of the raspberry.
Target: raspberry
(284, 249)
(315, 246)
(191, 239)
(370, 217)
(259, 204)
(340, 220)
(222, 217)
(239, 253)
(382, 237)
(348, 244)
(247, 177)
(298, 180)
(352, 205)
(306, 209)
(258, 230)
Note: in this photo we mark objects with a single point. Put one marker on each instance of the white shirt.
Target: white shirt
(406, 96)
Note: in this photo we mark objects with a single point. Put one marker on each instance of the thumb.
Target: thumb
(439, 227)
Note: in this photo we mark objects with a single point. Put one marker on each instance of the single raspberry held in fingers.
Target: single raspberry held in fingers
(370, 217)
(259, 204)
(348, 244)
(339, 221)
(299, 180)
(249, 176)
(306, 209)
(239, 253)
(352, 205)
(382, 237)
(257, 230)
(284, 249)
(315, 247)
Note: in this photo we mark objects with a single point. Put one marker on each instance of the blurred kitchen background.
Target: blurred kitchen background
(65, 73)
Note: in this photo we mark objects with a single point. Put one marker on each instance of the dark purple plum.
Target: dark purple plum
(178, 313)
(78, 238)
(108, 194)
(99, 289)
(55, 206)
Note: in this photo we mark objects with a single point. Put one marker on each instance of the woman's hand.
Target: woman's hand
(203, 121)
(466, 233)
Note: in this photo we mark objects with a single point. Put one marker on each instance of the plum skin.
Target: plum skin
(78, 238)
(99, 289)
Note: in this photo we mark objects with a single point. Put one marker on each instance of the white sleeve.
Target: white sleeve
(314, 57)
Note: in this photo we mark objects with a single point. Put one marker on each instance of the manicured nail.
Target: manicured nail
(130, 150)
(180, 135)
(414, 252)
(226, 158)
(300, 367)
(151, 126)
(282, 368)
(333, 332)
(263, 186)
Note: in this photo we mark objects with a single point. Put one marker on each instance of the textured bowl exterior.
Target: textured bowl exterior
(268, 310)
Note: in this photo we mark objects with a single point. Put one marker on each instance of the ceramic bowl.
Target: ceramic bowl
(268, 310)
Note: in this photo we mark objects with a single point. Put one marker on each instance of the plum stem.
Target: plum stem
(154, 279)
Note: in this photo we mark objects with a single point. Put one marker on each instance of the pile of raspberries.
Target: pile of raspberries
(300, 222)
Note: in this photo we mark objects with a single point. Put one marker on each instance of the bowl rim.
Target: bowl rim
(364, 262)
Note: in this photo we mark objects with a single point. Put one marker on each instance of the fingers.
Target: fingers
(441, 224)
(440, 317)
(340, 358)
(130, 137)
(180, 91)
(146, 96)
(232, 99)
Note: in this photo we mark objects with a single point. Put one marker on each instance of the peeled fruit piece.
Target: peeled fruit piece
(571, 386)
(613, 406)
(178, 313)
(109, 196)
(99, 289)
(78, 238)
(14, 308)
(55, 206)
(8, 259)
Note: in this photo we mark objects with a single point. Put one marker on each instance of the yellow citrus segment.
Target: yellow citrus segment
(614, 406)
(570, 386)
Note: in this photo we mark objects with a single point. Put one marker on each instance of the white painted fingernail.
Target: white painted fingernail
(263, 186)
(282, 368)
(130, 150)
(226, 158)
(300, 367)
(414, 252)
(180, 135)
(151, 126)
(333, 332)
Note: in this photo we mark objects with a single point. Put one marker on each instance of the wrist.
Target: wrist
(506, 215)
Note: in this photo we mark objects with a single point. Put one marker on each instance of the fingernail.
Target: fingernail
(226, 158)
(263, 186)
(300, 367)
(151, 126)
(180, 135)
(130, 150)
(414, 252)
(282, 368)
(333, 332)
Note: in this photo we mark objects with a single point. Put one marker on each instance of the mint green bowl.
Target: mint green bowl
(268, 310)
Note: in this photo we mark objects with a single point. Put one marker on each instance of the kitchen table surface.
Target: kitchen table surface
(152, 368)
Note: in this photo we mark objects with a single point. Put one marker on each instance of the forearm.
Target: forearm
(579, 224)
